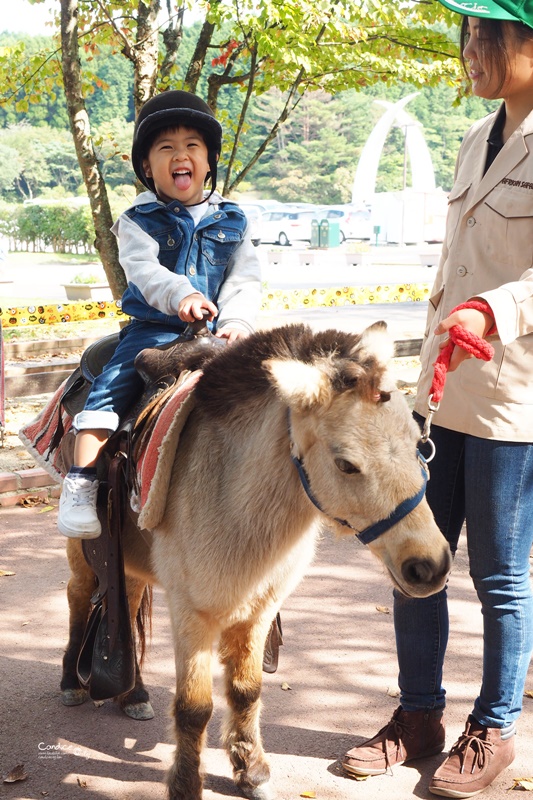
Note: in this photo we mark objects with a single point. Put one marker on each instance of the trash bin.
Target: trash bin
(329, 234)
(315, 234)
(323, 233)
(334, 234)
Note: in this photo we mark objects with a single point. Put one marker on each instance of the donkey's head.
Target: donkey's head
(354, 443)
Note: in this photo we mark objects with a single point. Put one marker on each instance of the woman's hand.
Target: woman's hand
(470, 319)
(193, 307)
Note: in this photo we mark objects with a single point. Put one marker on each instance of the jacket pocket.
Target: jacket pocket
(219, 245)
(170, 241)
(456, 203)
(510, 223)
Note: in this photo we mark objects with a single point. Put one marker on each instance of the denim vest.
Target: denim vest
(202, 254)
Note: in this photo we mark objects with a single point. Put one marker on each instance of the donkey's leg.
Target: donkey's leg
(80, 587)
(241, 652)
(136, 703)
(193, 705)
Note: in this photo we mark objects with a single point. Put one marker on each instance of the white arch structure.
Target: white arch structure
(423, 175)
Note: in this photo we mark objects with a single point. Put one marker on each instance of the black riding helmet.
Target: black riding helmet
(170, 109)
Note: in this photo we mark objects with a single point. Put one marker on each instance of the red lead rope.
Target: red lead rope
(468, 341)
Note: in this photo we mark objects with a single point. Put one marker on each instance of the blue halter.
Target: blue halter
(375, 530)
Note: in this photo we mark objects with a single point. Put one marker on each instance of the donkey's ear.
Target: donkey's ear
(298, 383)
(377, 341)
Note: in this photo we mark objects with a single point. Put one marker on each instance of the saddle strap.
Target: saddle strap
(117, 600)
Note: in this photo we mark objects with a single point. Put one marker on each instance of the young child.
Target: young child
(185, 252)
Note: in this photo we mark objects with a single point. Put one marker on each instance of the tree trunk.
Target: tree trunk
(105, 242)
(146, 53)
(198, 57)
(172, 38)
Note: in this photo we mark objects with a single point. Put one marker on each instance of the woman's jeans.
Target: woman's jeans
(488, 484)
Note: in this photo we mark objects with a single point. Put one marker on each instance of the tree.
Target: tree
(241, 51)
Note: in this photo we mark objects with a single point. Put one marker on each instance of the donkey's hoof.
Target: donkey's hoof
(139, 710)
(263, 792)
(74, 697)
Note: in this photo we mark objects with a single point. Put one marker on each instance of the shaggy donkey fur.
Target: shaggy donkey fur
(239, 531)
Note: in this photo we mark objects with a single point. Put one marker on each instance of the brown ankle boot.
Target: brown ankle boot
(408, 735)
(475, 760)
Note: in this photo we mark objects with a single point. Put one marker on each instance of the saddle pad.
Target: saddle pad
(38, 434)
(154, 461)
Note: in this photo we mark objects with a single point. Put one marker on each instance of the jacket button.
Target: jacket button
(461, 271)
(471, 221)
(221, 235)
(217, 216)
(192, 270)
(176, 210)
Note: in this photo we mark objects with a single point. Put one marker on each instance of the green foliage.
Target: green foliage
(62, 228)
(319, 66)
(84, 279)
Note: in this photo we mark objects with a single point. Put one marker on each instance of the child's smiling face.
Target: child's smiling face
(178, 164)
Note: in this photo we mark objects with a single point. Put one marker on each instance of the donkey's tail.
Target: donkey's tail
(143, 622)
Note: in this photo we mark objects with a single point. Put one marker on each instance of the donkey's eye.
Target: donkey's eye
(346, 466)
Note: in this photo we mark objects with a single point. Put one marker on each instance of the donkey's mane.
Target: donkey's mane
(236, 374)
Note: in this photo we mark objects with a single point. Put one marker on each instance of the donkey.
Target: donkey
(291, 431)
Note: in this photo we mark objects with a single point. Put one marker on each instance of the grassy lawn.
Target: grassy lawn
(35, 259)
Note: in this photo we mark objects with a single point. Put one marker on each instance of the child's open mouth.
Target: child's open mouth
(182, 179)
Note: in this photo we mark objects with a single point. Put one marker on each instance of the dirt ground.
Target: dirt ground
(338, 666)
(13, 454)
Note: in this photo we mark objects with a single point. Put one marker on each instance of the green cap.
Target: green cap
(513, 10)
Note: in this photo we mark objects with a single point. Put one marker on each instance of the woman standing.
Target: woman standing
(483, 430)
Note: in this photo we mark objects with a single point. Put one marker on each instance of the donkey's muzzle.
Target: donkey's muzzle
(426, 576)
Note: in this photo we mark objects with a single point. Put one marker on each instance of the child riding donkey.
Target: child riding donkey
(186, 253)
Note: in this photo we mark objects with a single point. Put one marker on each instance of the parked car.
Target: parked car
(286, 226)
(253, 215)
(355, 221)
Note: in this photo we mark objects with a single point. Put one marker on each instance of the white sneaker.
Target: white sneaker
(77, 508)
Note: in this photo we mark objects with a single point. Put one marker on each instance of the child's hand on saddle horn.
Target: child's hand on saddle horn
(196, 306)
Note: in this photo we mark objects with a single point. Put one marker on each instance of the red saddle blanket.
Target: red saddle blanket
(155, 456)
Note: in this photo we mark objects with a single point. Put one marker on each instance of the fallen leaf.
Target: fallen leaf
(360, 777)
(529, 693)
(383, 609)
(4, 573)
(46, 508)
(285, 686)
(98, 703)
(30, 501)
(16, 774)
(394, 692)
(44, 794)
(26, 623)
(307, 794)
(81, 783)
(526, 784)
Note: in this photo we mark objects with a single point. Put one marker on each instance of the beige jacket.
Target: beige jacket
(488, 253)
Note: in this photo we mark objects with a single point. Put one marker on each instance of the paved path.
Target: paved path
(338, 659)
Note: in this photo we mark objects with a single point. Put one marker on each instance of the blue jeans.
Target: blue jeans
(488, 484)
(119, 386)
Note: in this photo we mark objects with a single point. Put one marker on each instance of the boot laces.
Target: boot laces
(480, 749)
(396, 729)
